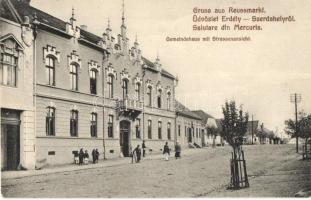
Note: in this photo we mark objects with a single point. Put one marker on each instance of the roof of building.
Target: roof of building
(23, 8)
(184, 111)
(203, 115)
(152, 66)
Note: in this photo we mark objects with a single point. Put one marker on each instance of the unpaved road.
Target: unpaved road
(274, 171)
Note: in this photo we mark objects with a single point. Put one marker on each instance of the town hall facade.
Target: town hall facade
(64, 88)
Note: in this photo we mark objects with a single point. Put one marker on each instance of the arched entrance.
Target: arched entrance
(125, 127)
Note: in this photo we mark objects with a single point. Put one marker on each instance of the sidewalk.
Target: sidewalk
(74, 167)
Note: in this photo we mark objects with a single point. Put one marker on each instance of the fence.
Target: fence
(239, 177)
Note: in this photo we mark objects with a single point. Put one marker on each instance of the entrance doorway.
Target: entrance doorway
(10, 139)
(125, 127)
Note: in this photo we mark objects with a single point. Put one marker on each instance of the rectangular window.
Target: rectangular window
(159, 130)
(149, 129)
(137, 128)
(74, 77)
(8, 65)
(179, 130)
(93, 125)
(93, 81)
(74, 123)
(110, 126)
(50, 121)
(169, 131)
(50, 70)
(110, 86)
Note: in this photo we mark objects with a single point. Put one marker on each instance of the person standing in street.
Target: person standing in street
(137, 152)
(166, 151)
(97, 155)
(81, 156)
(94, 156)
(177, 150)
(86, 157)
(144, 148)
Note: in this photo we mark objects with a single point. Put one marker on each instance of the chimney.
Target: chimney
(83, 27)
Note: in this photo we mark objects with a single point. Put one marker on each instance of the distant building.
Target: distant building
(189, 127)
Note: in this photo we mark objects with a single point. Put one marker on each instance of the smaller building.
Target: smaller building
(190, 131)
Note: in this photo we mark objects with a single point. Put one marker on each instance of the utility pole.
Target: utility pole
(252, 130)
(296, 98)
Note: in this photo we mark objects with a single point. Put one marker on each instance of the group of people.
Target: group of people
(166, 151)
(83, 156)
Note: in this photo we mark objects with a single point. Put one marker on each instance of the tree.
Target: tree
(303, 127)
(234, 127)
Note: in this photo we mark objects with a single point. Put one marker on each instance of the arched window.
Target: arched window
(50, 121)
(137, 91)
(110, 86)
(50, 70)
(159, 98)
(149, 96)
(168, 101)
(125, 88)
(74, 76)
(93, 81)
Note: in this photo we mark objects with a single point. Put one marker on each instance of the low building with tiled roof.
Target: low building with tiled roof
(189, 126)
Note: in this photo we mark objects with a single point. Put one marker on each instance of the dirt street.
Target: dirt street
(274, 171)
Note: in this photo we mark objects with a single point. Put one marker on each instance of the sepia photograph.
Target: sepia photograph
(155, 99)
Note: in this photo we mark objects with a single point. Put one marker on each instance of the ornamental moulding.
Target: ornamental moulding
(74, 58)
(125, 75)
(137, 79)
(110, 71)
(94, 65)
(51, 51)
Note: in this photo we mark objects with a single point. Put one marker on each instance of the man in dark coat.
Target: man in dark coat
(137, 152)
(166, 151)
(94, 156)
(81, 156)
(144, 147)
(97, 155)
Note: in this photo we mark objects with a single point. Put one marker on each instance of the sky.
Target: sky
(259, 74)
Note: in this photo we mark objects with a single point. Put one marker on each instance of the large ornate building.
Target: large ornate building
(64, 88)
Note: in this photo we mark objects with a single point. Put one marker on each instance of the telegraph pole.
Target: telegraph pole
(296, 98)
(252, 130)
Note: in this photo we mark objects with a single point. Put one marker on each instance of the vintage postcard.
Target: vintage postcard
(155, 99)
